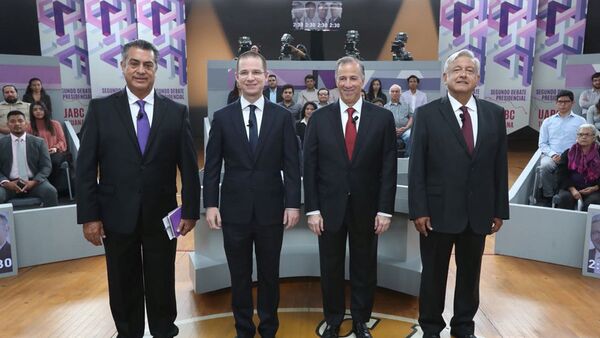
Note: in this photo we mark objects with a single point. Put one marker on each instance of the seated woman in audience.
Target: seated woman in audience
(51, 131)
(305, 114)
(578, 172)
(593, 115)
(375, 91)
(35, 92)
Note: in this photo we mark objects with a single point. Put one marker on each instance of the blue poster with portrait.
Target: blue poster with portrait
(8, 249)
(591, 248)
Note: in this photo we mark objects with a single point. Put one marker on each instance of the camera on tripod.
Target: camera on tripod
(285, 53)
(399, 52)
(245, 43)
(351, 45)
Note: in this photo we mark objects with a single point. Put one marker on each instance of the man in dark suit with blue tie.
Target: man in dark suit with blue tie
(349, 191)
(256, 140)
(457, 191)
(132, 143)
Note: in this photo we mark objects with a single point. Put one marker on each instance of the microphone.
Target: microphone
(139, 115)
(462, 117)
(250, 124)
(354, 119)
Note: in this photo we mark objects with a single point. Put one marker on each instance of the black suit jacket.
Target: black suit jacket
(129, 181)
(330, 177)
(278, 94)
(447, 184)
(252, 184)
(38, 158)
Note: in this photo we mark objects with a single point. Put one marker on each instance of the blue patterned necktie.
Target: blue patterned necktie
(143, 126)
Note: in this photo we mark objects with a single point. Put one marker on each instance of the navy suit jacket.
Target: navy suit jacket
(252, 185)
(329, 175)
(278, 93)
(446, 183)
(130, 182)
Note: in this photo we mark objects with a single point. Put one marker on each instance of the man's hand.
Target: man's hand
(290, 217)
(12, 185)
(213, 218)
(556, 158)
(315, 224)
(29, 185)
(398, 131)
(575, 193)
(94, 232)
(496, 224)
(382, 223)
(186, 225)
(423, 224)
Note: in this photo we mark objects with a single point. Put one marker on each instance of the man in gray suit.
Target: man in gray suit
(24, 164)
(457, 192)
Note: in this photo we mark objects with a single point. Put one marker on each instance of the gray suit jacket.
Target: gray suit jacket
(38, 157)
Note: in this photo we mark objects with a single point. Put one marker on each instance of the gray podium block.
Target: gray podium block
(398, 263)
(47, 235)
(544, 234)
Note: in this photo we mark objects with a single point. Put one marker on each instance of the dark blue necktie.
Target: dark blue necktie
(253, 129)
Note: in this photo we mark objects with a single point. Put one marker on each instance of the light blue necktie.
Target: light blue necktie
(21, 159)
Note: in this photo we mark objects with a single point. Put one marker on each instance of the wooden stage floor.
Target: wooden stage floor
(519, 298)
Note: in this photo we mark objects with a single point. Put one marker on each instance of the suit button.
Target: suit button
(348, 193)
(142, 168)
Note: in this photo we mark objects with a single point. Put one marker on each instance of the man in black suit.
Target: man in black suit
(256, 140)
(458, 192)
(132, 144)
(272, 92)
(349, 190)
(24, 164)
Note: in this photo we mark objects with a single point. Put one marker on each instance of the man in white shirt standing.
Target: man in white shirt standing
(413, 97)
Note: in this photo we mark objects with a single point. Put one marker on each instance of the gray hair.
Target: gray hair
(588, 126)
(462, 52)
(393, 86)
(349, 59)
(141, 44)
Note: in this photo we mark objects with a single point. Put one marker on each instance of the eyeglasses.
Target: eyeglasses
(563, 101)
(585, 135)
(460, 71)
(246, 73)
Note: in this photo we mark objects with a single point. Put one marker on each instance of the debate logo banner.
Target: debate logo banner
(110, 25)
(560, 33)
(63, 35)
(163, 23)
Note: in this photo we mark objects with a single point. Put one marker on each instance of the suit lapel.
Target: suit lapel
(29, 149)
(265, 128)
(157, 117)
(363, 130)
(448, 115)
(335, 119)
(124, 113)
(482, 128)
(237, 120)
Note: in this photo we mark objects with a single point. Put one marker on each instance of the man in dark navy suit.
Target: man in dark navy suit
(260, 192)
(349, 191)
(457, 191)
(132, 144)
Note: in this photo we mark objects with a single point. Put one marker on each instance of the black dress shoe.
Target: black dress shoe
(469, 335)
(431, 335)
(361, 330)
(331, 331)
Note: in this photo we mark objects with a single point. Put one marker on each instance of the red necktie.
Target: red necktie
(467, 128)
(350, 133)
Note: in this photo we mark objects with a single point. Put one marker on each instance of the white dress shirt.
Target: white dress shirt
(472, 106)
(134, 108)
(415, 100)
(14, 170)
(260, 106)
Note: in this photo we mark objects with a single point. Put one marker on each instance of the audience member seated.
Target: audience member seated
(306, 113)
(403, 117)
(413, 96)
(35, 92)
(51, 131)
(272, 92)
(593, 115)
(24, 164)
(557, 134)
(363, 94)
(11, 102)
(578, 172)
(310, 93)
(287, 92)
(590, 97)
(323, 94)
(375, 90)
(378, 102)
(234, 94)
